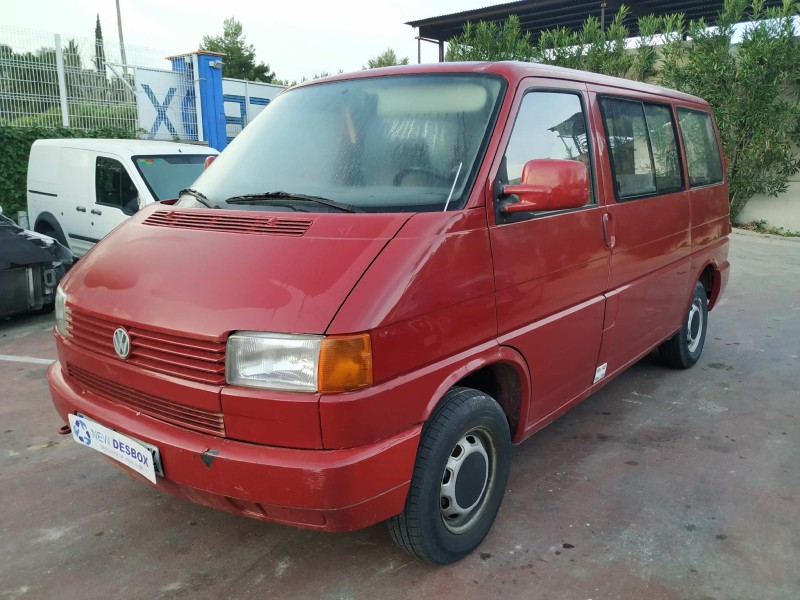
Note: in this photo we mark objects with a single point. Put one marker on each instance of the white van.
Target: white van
(81, 189)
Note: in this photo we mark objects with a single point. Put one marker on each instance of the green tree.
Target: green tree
(315, 76)
(591, 48)
(752, 86)
(491, 41)
(240, 57)
(99, 48)
(385, 59)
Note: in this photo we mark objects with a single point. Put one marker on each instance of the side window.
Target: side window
(702, 151)
(549, 125)
(644, 151)
(114, 187)
(667, 164)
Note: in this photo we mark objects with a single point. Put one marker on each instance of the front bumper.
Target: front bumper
(331, 490)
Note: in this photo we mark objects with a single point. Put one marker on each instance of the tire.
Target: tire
(463, 459)
(683, 349)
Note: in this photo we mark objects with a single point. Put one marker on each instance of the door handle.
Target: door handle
(96, 212)
(80, 208)
(609, 239)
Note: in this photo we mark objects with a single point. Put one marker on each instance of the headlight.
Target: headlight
(273, 360)
(299, 363)
(62, 312)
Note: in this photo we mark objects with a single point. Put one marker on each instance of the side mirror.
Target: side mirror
(549, 184)
(209, 159)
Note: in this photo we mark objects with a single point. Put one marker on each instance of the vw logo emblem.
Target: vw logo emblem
(122, 343)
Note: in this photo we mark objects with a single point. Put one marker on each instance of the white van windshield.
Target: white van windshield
(381, 144)
(167, 174)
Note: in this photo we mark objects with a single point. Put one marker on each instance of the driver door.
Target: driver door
(551, 268)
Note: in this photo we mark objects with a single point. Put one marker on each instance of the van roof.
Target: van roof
(516, 70)
(132, 147)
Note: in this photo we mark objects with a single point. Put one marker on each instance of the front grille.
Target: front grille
(187, 358)
(227, 222)
(196, 419)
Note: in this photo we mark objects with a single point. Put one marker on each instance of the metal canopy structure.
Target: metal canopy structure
(539, 15)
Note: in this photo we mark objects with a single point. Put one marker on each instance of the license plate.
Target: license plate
(139, 456)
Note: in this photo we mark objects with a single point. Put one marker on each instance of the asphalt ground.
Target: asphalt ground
(664, 485)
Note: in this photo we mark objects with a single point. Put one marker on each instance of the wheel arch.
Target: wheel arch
(504, 376)
(711, 278)
(46, 219)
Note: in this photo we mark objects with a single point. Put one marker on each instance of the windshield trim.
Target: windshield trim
(134, 160)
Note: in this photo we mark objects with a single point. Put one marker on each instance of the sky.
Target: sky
(297, 39)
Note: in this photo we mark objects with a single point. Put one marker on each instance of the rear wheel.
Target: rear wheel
(683, 349)
(459, 479)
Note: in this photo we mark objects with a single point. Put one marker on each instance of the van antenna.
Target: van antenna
(453, 187)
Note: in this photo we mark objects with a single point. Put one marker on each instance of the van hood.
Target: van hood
(210, 272)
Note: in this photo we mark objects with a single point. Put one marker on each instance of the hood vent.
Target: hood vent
(218, 220)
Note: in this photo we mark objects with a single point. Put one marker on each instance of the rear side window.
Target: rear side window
(114, 186)
(644, 150)
(702, 150)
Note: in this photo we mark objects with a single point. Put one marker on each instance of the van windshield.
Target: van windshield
(167, 174)
(382, 144)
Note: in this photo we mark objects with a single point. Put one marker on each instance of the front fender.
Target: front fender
(363, 417)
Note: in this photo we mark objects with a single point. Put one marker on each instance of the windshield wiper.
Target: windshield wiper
(291, 197)
(199, 196)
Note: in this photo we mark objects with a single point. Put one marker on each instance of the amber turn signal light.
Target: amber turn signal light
(345, 363)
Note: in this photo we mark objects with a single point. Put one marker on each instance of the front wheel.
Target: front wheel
(459, 479)
(683, 349)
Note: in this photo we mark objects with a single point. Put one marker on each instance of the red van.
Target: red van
(388, 279)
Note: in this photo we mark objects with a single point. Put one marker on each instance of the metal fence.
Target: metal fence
(52, 80)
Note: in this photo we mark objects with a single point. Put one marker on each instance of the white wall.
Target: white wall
(783, 211)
